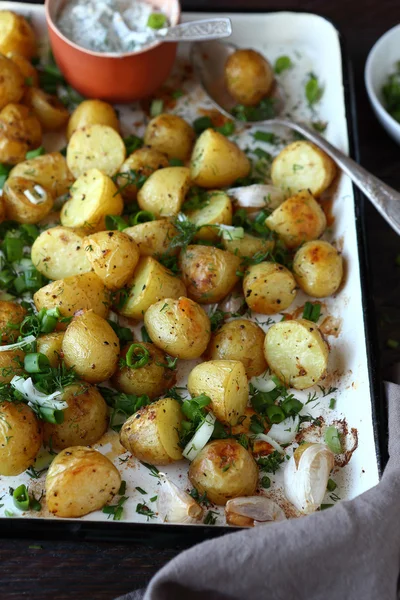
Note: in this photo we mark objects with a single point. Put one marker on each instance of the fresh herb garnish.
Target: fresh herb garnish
(132, 143)
(265, 110)
(271, 463)
(391, 93)
(115, 509)
(312, 311)
(143, 509)
(313, 90)
(210, 518)
(137, 357)
(123, 405)
(282, 63)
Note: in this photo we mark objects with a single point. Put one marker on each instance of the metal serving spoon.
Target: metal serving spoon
(208, 60)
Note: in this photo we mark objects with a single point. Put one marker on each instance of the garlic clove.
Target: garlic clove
(257, 196)
(175, 505)
(251, 511)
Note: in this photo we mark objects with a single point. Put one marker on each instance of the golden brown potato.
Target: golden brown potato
(50, 344)
(12, 151)
(152, 433)
(296, 352)
(26, 201)
(224, 470)
(151, 282)
(179, 327)
(225, 382)
(16, 35)
(11, 314)
(208, 273)
(269, 288)
(59, 252)
(29, 73)
(170, 134)
(95, 147)
(239, 340)
(85, 419)
(19, 122)
(143, 162)
(12, 81)
(80, 292)
(153, 237)
(164, 191)
(299, 219)
(152, 379)
(248, 245)
(93, 197)
(91, 347)
(248, 76)
(303, 166)
(20, 438)
(2, 210)
(217, 210)
(49, 170)
(79, 481)
(217, 162)
(50, 111)
(92, 112)
(318, 268)
(11, 364)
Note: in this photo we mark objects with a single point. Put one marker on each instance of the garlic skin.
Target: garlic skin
(175, 505)
(306, 476)
(252, 511)
(285, 431)
(257, 195)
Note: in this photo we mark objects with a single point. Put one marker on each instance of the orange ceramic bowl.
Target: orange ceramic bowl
(121, 78)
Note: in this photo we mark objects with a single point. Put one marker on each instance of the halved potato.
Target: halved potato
(170, 134)
(225, 382)
(164, 191)
(269, 288)
(296, 352)
(318, 268)
(12, 81)
(20, 437)
(152, 433)
(49, 170)
(92, 112)
(50, 111)
(50, 344)
(217, 210)
(16, 35)
(248, 245)
(25, 201)
(11, 364)
(303, 166)
(59, 252)
(11, 314)
(30, 74)
(95, 146)
(20, 123)
(153, 237)
(143, 162)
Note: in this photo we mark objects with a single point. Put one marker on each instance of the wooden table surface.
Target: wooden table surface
(41, 569)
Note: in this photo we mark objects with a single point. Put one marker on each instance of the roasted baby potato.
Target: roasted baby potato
(29, 73)
(59, 252)
(224, 470)
(18, 122)
(318, 268)
(11, 364)
(26, 201)
(50, 111)
(151, 282)
(143, 162)
(85, 419)
(153, 237)
(170, 134)
(50, 344)
(299, 219)
(208, 273)
(20, 438)
(152, 433)
(79, 481)
(92, 112)
(91, 347)
(216, 161)
(242, 340)
(303, 166)
(225, 382)
(179, 327)
(113, 256)
(269, 288)
(95, 147)
(152, 379)
(296, 352)
(80, 292)
(2, 210)
(49, 170)
(93, 196)
(248, 245)
(248, 76)
(217, 210)
(12, 81)
(164, 191)
(16, 35)
(11, 314)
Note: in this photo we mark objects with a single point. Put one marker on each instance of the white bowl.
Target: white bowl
(380, 64)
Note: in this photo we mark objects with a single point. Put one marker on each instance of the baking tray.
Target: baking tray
(301, 35)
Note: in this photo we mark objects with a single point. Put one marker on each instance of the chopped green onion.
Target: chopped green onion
(265, 482)
(145, 335)
(176, 162)
(34, 153)
(122, 488)
(14, 248)
(35, 504)
(332, 403)
(132, 143)
(142, 509)
(313, 90)
(21, 497)
(4, 171)
(156, 20)
(114, 222)
(201, 124)
(291, 406)
(311, 311)
(137, 356)
(255, 425)
(177, 94)
(275, 414)
(141, 490)
(262, 153)
(332, 439)
(331, 485)
(282, 64)
(48, 323)
(143, 216)
(36, 362)
(326, 506)
(156, 108)
(124, 334)
(227, 128)
(265, 136)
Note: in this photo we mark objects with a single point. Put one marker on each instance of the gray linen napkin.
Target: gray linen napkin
(351, 551)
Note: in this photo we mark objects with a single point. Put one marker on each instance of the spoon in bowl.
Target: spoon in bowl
(208, 61)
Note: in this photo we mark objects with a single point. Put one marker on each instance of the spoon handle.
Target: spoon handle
(385, 199)
(201, 30)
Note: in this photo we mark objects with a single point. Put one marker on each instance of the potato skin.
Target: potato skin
(248, 245)
(153, 237)
(113, 256)
(85, 419)
(171, 135)
(225, 470)
(164, 191)
(152, 379)
(11, 363)
(269, 288)
(179, 327)
(95, 147)
(151, 434)
(91, 347)
(248, 76)
(59, 252)
(20, 123)
(242, 340)
(18, 207)
(79, 481)
(11, 313)
(318, 268)
(50, 111)
(28, 71)
(299, 219)
(12, 82)
(143, 161)
(217, 162)
(217, 211)
(50, 344)
(16, 35)
(208, 273)
(80, 292)
(20, 438)
(49, 170)
(92, 112)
